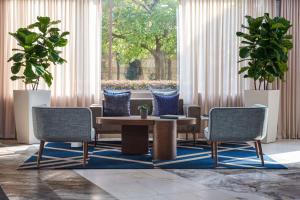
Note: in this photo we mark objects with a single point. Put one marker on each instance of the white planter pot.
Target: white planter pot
(271, 99)
(24, 100)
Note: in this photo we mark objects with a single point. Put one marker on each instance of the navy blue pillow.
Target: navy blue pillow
(116, 104)
(164, 92)
(165, 105)
(160, 92)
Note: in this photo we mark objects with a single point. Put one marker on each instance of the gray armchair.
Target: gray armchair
(236, 124)
(62, 125)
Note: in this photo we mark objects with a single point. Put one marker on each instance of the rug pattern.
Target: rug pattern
(107, 155)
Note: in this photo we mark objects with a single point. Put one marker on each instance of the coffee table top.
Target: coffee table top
(136, 120)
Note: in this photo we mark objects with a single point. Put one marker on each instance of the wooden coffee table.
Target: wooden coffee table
(135, 134)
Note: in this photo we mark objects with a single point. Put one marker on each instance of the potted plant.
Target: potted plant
(143, 111)
(265, 47)
(38, 49)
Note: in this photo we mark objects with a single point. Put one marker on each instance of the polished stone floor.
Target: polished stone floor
(151, 184)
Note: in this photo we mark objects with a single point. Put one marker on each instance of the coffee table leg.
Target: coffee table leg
(164, 140)
(135, 139)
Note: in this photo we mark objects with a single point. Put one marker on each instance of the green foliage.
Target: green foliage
(141, 28)
(265, 46)
(138, 84)
(144, 107)
(37, 51)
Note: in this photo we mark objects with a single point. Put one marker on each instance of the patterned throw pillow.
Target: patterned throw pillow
(165, 105)
(116, 104)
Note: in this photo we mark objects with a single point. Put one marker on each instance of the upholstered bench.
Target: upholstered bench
(188, 110)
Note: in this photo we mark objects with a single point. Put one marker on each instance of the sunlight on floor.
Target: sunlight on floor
(284, 151)
(286, 158)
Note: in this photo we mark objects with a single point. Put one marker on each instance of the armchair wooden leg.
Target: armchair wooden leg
(186, 136)
(41, 149)
(256, 149)
(216, 153)
(261, 153)
(85, 152)
(212, 150)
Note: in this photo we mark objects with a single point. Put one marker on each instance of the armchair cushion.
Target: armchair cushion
(193, 111)
(97, 111)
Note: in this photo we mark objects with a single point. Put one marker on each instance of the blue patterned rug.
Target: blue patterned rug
(3, 195)
(107, 155)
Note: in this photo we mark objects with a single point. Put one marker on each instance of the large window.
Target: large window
(139, 44)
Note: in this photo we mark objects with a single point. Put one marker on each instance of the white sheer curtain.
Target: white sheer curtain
(289, 126)
(209, 49)
(76, 83)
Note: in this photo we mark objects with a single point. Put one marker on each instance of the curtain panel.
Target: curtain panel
(76, 83)
(209, 49)
(289, 126)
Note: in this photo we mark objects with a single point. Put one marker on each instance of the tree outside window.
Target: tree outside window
(139, 43)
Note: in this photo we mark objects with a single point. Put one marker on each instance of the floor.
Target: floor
(151, 184)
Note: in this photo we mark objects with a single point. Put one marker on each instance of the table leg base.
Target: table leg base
(164, 140)
(135, 140)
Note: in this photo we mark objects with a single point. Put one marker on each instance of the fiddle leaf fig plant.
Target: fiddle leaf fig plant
(265, 45)
(39, 46)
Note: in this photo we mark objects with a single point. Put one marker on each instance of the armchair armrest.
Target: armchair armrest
(97, 111)
(193, 111)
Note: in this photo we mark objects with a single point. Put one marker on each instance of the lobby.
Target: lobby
(149, 99)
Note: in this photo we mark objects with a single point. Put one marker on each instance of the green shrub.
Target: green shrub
(138, 84)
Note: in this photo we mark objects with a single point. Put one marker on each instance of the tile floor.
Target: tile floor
(151, 184)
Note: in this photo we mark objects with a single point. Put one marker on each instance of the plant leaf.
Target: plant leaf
(239, 34)
(28, 72)
(13, 78)
(244, 52)
(43, 20)
(243, 69)
(40, 51)
(55, 22)
(48, 78)
(61, 42)
(16, 57)
(31, 26)
(16, 68)
(64, 34)
(53, 30)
